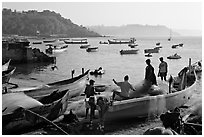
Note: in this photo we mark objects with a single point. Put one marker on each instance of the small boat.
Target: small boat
(129, 51)
(147, 100)
(93, 49)
(158, 43)
(101, 42)
(154, 50)
(49, 41)
(56, 49)
(6, 65)
(76, 41)
(122, 41)
(37, 42)
(76, 86)
(175, 56)
(148, 55)
(85, 46)
(22, 112)
(177, 45)
(6, 75)
(132, 45)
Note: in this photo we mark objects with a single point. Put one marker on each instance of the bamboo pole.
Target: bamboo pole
(45, 119)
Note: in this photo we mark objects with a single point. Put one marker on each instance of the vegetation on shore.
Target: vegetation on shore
(45, 23)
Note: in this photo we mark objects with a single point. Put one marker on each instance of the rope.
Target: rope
(60, 129)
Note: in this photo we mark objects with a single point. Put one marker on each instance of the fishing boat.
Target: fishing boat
(148, 100)
(175, 56)
(76, 41)
(129, 51)
(158, 43)
(49, 41)
(177, 45)
(21, 112)
(154, 50)
(6, 65)
(76, 86)
(132, 45)
(92, 49)
(6, 75)
(84, 46)
(103, 42)
(122, 41)
(56, 49)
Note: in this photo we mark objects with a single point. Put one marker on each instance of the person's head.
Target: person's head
(91, 82)
(161, 59)
(126, 78)
(148, 61)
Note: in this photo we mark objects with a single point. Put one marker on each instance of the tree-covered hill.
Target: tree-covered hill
(27, 23)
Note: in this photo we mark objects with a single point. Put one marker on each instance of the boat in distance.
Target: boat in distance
(146, 102)
(76, 41)
(21, 112)
(49, 41)
(175, 56)
(84, 46)
(92, 49)
(129, 51)
(56, 49)
(122, 41)
(154, 50)
(76, 86)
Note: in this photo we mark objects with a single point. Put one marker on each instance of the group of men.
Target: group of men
(125, 86)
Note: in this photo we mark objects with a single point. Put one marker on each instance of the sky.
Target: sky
(175, 15)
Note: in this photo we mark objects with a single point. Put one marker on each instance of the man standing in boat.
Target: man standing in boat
(125, 87)
(149, 73)
(162, 69)
(90, 99)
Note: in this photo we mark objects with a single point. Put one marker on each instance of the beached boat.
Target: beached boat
(175, 56)
(122, 41)
(56, 49)
(85, 46)
(148, 100)
(76, 41)
(154, 50)
(75, 85)
(49, 41)
(92, 49)
(129, 51)
(21, 112)
(6, 75)
(6, 65)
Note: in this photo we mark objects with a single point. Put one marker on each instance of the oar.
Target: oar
(50, 122)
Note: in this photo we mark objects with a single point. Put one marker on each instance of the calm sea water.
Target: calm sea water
(108, 57)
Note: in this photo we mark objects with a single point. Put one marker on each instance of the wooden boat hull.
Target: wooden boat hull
(154, 50)
(75, 85)
(49, 41)
(92, 49)
(142, 106)
(78, 41)
(6, 75)
(6, 65)
(20, 119)
(173, 57)
(85, 46)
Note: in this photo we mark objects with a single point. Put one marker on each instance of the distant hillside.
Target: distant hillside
(45, 23)
(134, 30)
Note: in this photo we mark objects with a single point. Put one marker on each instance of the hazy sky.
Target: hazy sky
(175, 15)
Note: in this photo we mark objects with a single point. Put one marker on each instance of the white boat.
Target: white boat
(75, 85)
(145, 105)
(175, 56)
(56, 49)
(6, 65)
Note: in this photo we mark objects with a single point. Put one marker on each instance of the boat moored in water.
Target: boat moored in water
(129, 51)
(76, 41)
(92, 49)
(84, 46)
(122, 41)
(175, 56)
(154, 50)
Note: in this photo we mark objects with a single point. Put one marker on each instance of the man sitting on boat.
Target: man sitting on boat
(90, 99)
(125, 87)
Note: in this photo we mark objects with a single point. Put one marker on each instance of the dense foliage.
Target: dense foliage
(45, 22)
